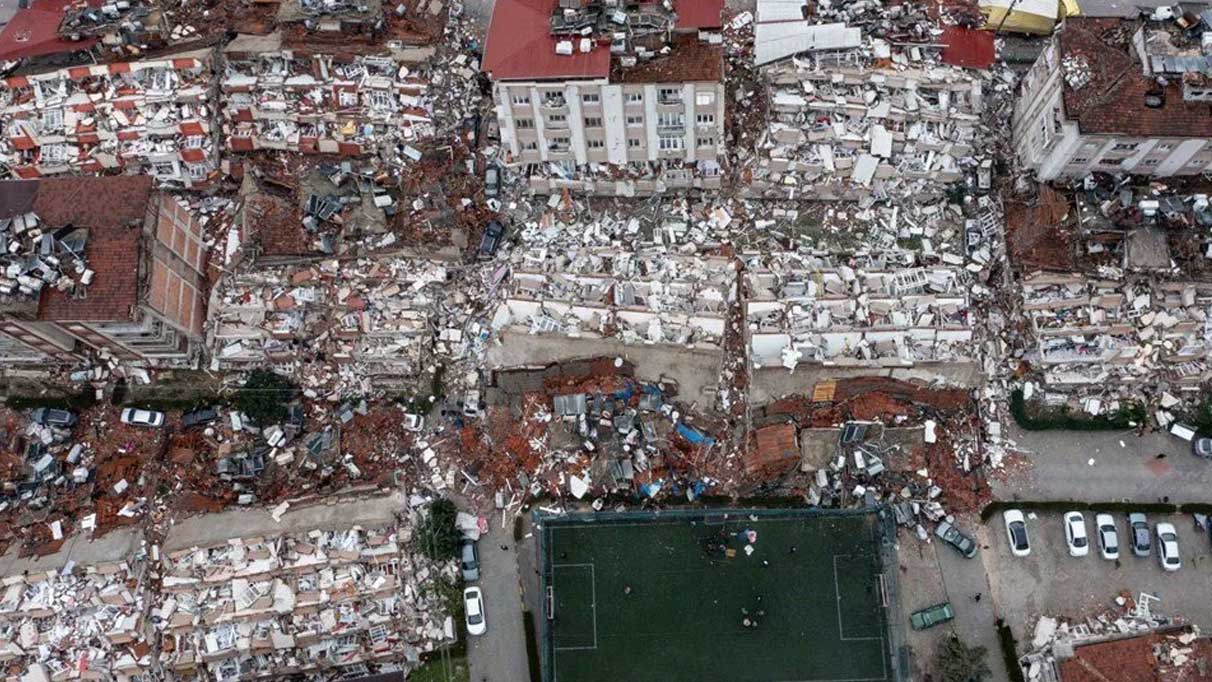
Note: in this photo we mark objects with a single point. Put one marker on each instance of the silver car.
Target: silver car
(1139, 535)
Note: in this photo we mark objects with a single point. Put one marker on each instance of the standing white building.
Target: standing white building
(1118, 96)
(608, 98)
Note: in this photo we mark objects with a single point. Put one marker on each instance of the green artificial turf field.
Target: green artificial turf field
(656, 599)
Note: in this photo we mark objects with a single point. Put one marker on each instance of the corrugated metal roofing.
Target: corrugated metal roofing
(781, 39)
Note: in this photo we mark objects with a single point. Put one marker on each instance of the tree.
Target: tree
(264, 396)
(958, 662)
(438, 534)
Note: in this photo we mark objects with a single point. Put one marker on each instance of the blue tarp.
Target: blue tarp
(694, 435)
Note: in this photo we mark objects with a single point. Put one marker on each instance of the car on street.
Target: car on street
(136, 417)
(1167, 547)
(1016, 531)
(205, 415)
(1138, 533)
(51, 417)
(931, 616)
(473, 606)
(1108, 537)
(1075, 534)
(469, 559)
(413, 422)
(952, 536)
(1201, 446)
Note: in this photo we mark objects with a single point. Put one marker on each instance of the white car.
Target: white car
(1167, 547)
(473, 603)
(137, 417)
(1075, 534)
(1108, 537)
(413, 422)
(1016, 531)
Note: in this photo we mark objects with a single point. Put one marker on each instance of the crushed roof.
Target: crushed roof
(112, 209)
(690, 59)
(34, 32)
(967, 47)
(520, 45)
(1113, 100)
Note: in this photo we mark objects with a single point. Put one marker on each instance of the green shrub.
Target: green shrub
(532, 645)
(1038, 419)
(438, 535)
(264, 397)
(958, 662)
(1009, 651)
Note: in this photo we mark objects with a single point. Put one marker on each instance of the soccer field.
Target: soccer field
(664, 598)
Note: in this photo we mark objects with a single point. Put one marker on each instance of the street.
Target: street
(499, 655)
(1102, 466)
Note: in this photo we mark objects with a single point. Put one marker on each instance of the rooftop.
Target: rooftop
(34, 32)
(1105, 85)
(1152, 657)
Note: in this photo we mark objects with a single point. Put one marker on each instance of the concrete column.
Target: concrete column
(614, 119)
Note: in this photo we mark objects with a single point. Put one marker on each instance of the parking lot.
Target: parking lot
(1050, 582)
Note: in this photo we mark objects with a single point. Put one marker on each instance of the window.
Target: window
(557, 121)
(54, 153)
(633, 142)
(635, 121)
(595, 144)
(524, 123)
(558, 144)
(671, 142)
(381, 100)
(195, 141)
(705, 119)
(52, 119)
(704, 99)
(706, 141)
(593, 122)
(671, 120)
(1124, 147)
(347, 98)
(530, 146)
(635, 97)
(1165, 147)
(669, 95)
(1151, 162)
(164, 169)
(1080, 159)
(591, 98)
(521, 99)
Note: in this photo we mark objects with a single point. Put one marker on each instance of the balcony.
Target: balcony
(555, 102)
(669, 97)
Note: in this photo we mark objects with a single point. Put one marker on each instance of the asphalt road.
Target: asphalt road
(1125, 467)
(499, 655)
(975, 621)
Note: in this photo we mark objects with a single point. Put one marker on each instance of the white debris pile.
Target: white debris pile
(34, 258)
(78, 622)
(354, 600)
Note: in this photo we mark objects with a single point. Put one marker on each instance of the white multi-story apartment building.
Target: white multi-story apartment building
(591, 95)
(1117, 96)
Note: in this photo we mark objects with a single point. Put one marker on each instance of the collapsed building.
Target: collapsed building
(809, 315)
(76, 622)
(607, 97)
(87, 32)
(150, 117)
(327, 604)
(1091, 331)
(848, 117)
(101, 266)
(1119, 96)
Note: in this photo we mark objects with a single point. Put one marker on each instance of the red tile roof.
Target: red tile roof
(700, 14)
(967, 47)
(690, 60)
(1121, 660)
(520, 46)
(113, 210)
(34, 32)
(1113, 101)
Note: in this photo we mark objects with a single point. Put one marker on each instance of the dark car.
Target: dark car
(1138, 532)
(491, 240)
(469, 559)
(952, 536)
(50, 417)
(205, 415)
(931, 616)
(1201, 446)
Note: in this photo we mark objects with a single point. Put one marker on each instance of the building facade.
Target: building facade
(1093, 102)
(653, 113)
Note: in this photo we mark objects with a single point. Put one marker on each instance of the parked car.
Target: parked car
(931, 616)
(137, 417)
(469, 559)
(51, 417)
(1201, 446)
(205, 415)
(492, 181)
(413, 422)
(952, 536)
(1016, 530)
(491, 240)
(1167, 547)
(473, 604)
(1108, 537)
(1138, 532)
(1075, 534)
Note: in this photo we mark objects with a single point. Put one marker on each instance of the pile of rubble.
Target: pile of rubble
(33, 258)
